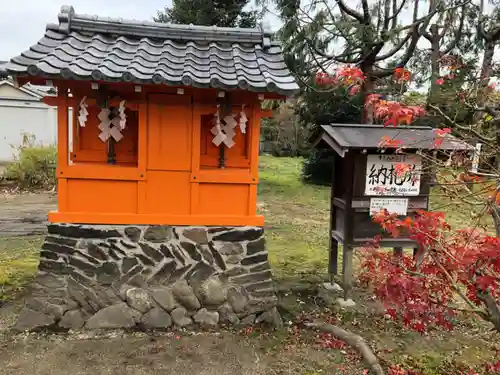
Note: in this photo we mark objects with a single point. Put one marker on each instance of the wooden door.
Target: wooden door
(168, 187)
(169, 132)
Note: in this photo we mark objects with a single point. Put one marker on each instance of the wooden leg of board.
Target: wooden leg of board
(333, 257)
(415, 252)
(347, 270)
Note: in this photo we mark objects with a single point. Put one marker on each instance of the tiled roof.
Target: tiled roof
(104, 49)
(3, 72)
(342, 137)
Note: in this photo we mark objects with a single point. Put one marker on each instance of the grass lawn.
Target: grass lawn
(297, 218)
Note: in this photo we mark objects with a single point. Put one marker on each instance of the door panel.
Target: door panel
(169, 132)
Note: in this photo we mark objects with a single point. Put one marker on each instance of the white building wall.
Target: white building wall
(31, 117)
(19, 117)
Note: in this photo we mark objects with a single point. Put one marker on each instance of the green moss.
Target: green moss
(18, 263)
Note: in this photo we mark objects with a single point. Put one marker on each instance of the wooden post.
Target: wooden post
(142, 155)
(195, 157)
(333, 253)
(253, 132)
(62, 127)
(348, 249)
(62, 146)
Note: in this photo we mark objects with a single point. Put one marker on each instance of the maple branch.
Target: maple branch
(446, 273)
(461, 127)
(492, 307)
(353, 340)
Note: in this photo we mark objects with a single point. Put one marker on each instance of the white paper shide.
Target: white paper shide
(393, 175)
(392, 205)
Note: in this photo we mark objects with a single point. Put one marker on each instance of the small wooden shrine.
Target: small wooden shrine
(158, 146)
(365, 180)
(158, 123)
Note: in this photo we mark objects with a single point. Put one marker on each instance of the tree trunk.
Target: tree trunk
(435, 55)
(496, 208)
(496, 218)
(367, 89)
(484, 78)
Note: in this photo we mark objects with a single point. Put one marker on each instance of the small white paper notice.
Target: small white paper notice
(392, 205)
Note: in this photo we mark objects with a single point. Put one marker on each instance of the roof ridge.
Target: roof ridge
(70, 21)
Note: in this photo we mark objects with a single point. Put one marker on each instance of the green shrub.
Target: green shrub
(318, 167)
(33, 166)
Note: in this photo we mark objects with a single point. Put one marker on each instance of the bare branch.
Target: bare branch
(366, 12)
(395, 12)
(387, 16)
(355, 341)
(461, 127)
(344, 8)
(458, 33)
(396, 48)
(492, 307)
(481, 21)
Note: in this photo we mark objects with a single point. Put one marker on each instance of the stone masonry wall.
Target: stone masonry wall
(152, 277)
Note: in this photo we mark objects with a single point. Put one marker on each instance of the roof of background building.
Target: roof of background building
(115, 50)
(3, 72)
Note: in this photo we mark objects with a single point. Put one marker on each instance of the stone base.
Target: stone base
(151, 277)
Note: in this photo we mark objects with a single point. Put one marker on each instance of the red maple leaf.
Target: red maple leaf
(354, 89)
(387, 141)
(401, 168)
(402, 75)
(440, 134)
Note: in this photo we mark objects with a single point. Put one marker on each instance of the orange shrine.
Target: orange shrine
(164, 120)
(158, 148)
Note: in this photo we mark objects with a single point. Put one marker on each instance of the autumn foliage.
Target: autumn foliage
(389, 112)
(454, 270)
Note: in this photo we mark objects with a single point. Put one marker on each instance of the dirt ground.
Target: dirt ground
(25, 214)
(181, 353)
(134, 354)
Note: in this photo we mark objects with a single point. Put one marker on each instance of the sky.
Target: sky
(22, 22)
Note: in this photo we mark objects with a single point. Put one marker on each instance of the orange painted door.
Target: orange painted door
(169, 132)
(169, 153)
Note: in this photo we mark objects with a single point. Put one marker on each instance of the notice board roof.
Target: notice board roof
(342, 137)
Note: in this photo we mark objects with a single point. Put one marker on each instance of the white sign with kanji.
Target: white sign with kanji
(393, 175)
(392, 205)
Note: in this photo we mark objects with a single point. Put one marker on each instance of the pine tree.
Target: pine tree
(224, 13)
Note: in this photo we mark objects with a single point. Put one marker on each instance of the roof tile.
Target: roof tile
(90, 47)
